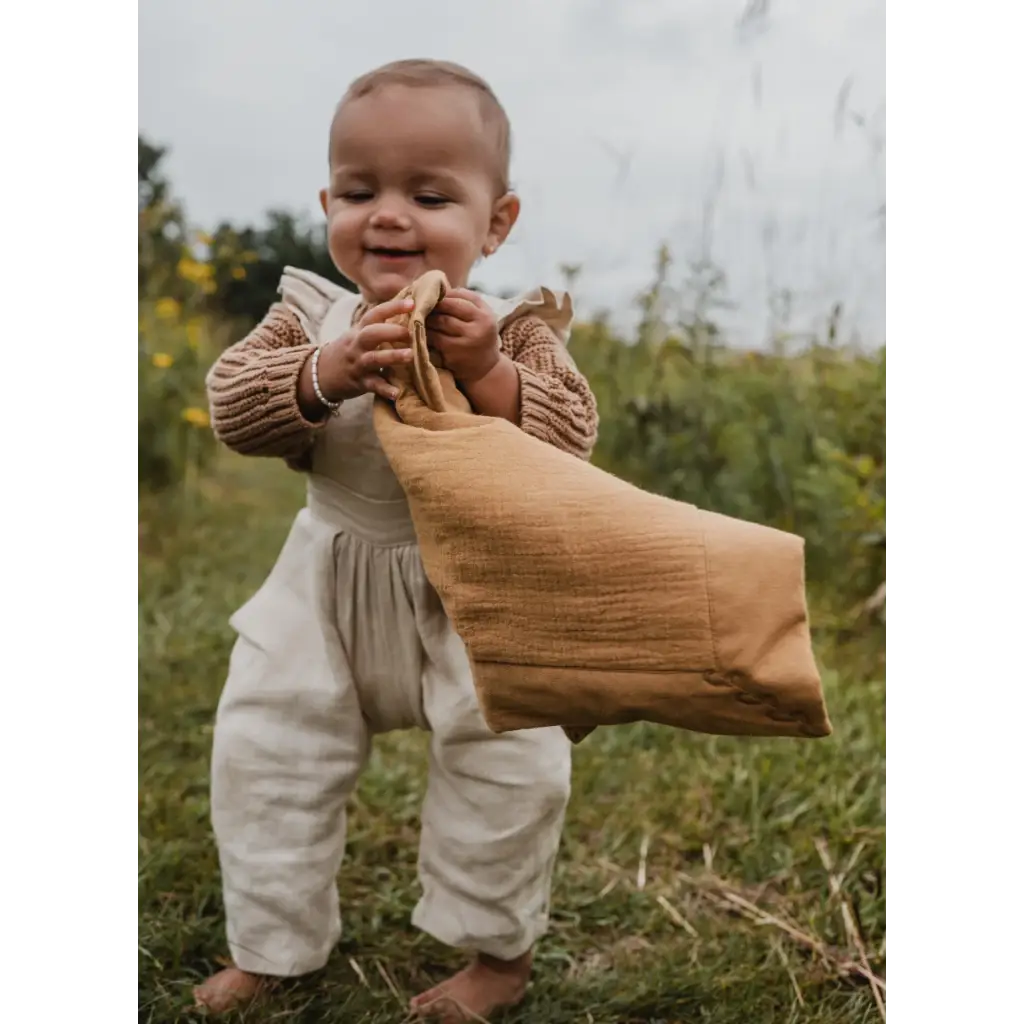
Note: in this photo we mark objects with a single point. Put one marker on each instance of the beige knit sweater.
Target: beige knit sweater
(253, 390)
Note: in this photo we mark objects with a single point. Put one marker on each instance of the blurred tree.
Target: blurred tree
(162, 230)
(240, 270)
(248, 262)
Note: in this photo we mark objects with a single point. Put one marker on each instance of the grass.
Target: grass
(692, 884)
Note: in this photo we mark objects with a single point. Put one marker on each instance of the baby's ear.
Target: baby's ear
(503, 218)
(323, 199)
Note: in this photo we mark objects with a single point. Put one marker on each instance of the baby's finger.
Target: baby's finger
(383, 358)
(444, 323)
(380, 385)
(441, 342)
(385, 311)
(458, 307)
(369, 338)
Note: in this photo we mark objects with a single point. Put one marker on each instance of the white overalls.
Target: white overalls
(347, 639)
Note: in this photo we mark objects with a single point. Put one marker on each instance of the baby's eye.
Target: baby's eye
(428, 199)
(357, 196)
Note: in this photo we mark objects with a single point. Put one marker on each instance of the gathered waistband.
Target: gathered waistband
(385, 523)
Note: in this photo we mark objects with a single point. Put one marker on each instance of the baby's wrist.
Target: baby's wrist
(481, 372)
(332, 382)
(319, 392)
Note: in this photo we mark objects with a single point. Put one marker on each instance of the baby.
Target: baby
(347, 639)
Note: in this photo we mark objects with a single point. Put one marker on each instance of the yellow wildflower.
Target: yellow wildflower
(238, 273)
(194, 333)
(248, 256)
(167, 309)
(162, 361)
(196, 416)
(204, 239)
(194, 271)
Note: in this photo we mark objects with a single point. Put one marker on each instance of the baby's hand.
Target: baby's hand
(353, 364)
(464, 331)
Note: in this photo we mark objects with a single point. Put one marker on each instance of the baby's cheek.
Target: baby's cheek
(345, 227)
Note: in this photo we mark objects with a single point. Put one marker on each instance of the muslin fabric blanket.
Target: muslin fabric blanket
(582, 600)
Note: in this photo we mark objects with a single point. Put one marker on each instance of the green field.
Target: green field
(692, 884)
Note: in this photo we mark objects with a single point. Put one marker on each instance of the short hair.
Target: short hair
(422, 72)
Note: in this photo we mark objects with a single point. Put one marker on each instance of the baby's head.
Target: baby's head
(419, 162)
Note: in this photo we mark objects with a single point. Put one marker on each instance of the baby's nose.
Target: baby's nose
(390, 215)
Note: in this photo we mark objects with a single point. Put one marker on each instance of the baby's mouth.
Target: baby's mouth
(393, 254)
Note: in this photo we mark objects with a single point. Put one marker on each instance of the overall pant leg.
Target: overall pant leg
(493, 814)
(289, 745)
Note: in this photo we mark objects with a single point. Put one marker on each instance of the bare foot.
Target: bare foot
(227, 990)
(477, 991)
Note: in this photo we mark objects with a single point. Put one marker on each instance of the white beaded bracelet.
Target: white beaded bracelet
(333, 406)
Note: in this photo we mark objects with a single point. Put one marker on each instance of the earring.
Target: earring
(489, 250)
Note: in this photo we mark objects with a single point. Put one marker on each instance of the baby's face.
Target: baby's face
(412, 188)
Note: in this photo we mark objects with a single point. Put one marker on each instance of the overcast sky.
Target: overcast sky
(629, 117)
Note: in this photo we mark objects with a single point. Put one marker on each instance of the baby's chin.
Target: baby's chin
(384, 287)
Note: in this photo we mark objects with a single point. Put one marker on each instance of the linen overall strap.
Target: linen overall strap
(321, 306)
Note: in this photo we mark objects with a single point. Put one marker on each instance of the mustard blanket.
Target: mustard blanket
(582, 600)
